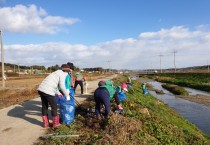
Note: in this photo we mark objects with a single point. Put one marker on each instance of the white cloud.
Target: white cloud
(192, 46)
(23, 19)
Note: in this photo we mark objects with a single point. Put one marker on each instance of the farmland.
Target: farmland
(23, 88)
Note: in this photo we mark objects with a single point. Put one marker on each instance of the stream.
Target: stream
(196, 113)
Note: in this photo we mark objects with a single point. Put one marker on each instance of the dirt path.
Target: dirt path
(22, 124)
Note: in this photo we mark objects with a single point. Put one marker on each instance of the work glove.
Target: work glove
(59, 95)
(68, 98)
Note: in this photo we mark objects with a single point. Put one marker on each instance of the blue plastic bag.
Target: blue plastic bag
(72, 92)
(67, 110)
(58, 100)
(121, 96)
(145, 92)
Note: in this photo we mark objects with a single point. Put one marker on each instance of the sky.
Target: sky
(115, 34)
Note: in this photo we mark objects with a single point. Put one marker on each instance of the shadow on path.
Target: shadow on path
(28, 111)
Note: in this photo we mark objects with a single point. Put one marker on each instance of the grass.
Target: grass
(147, 120)
(200, 81)
(177, 90)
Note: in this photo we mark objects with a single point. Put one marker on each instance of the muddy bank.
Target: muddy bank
(201, 99)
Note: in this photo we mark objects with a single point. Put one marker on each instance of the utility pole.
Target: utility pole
(2, 60)
(160, 63)
(175, 60)
(14, 68)
(18, 69)
(109, 65)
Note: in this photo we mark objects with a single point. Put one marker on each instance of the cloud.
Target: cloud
(23, 19)
(143, 52)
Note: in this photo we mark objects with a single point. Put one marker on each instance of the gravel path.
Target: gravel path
(21, 124)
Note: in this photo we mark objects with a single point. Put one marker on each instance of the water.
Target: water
(195, 92)
(196, 113)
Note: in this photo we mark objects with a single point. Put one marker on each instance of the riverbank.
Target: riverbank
(193, 80)
(201, 99)
(146, 120)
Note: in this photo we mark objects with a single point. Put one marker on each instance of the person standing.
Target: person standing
(47, 90)
(79, 79)
(71, 65)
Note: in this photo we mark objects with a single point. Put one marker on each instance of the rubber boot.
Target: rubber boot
(119, 107)
(45, 121)
(56, 121)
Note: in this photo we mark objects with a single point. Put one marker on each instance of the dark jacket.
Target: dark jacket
(102, 96)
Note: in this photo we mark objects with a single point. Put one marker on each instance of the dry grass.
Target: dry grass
(20, 89)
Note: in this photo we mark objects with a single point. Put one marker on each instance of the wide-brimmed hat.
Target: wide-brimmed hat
(65, 67)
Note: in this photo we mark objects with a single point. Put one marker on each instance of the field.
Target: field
(23, 88)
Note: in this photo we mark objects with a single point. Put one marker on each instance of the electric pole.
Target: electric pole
(2, 60)
(175, 60)
(160, 63)
(109, 65)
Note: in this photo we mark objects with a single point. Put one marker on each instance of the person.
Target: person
(79, 80)
(47, 90)
(102, 96)
(144, 88)
(71, 65)
(129, 80)
(68, 81)
(120, 89)
(128, 83)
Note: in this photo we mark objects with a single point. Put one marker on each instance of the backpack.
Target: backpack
(111, 90)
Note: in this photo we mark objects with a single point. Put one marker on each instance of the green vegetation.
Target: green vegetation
(177, 90)
(147, 120)
(200, 81)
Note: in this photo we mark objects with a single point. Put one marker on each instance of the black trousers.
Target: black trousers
(46, 101)
(79, 83)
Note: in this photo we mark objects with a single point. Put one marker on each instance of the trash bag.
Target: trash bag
(145, 92)
(72, 92)
(58, 100)
(67, 110)
(121, 96)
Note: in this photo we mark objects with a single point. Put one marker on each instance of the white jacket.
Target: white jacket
(50, 84)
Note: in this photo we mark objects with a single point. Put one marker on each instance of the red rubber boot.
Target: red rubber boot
(56, 122)
(119, 107)
(45, 121)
